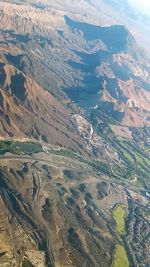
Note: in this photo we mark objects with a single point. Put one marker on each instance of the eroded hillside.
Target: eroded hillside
(75, 136)
(56, 211)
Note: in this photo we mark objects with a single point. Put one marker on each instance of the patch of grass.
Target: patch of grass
(129, 157)
(95, 164)
(119, 217)
(16, 147)
(138, 182)
(27, 263)
(120, 257)
(63, 152)
(121, 171)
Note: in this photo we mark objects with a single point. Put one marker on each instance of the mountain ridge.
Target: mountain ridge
(24, 102)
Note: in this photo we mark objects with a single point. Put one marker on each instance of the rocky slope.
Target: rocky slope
(28, 111)
(78, 85)
(100, 70)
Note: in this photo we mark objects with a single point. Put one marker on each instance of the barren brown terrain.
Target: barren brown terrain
(74, 134)
(28, 111)
(56, 212)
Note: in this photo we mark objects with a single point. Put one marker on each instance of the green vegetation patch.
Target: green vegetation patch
(27, 263)
(64, 152)
(16, 147)
(119, 213)
(95, 164)
(120, 257)
(134, 153)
